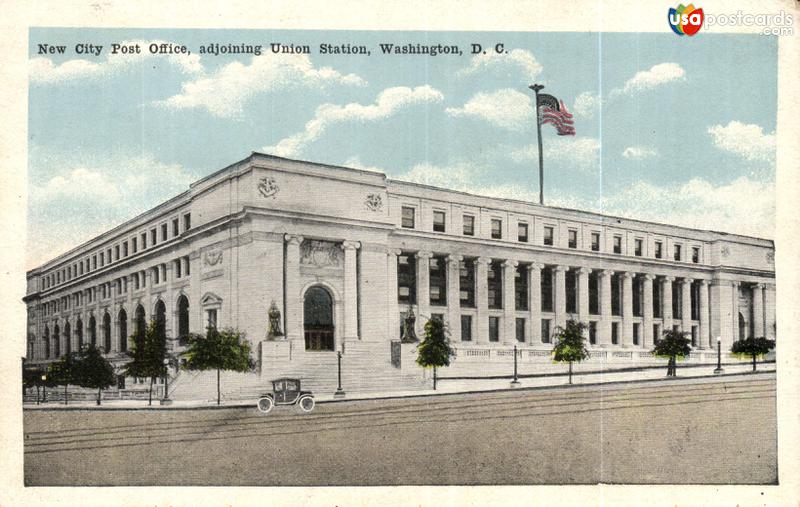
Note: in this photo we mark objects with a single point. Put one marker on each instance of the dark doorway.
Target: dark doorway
(318, 319)
(742, 327)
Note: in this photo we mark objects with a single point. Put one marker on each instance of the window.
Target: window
(497, 228)
(547, 290)
(637, 247)
(438, 281)
(163, 232)
(657, 299)
(594, 296)
(175, 230)
(116, 252)
(469, 225)
(211, 318)
(187, 221)
(595, 242)
(656, 334)
(617, 244)
(677, 296)
(637, 287)
(466, 283)
(522, 232)
(466, 328)
(177, 263)
(545, 330)
(144, 240)
(183, 316)
(125, 249)
(615, 333)
(407, 217)
(593, 332)
(135, 244)
(521, 288)
(495, 285)
(695, 254)
(494, 329)
(406, 278)
(153, 237)
(548, 236)
(571, 283)
(616, 293)
(520, 329)
(636, 331)
(659, 250)
(572, 238)
(677, 252)
(438, 221)
(694, 300)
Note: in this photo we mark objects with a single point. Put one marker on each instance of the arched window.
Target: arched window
(183, 317)
(140, 323)
(161, 318)
(46, 342)
(318, 319)
(56, 341)
(67, 338)
(79, 333)
(93, 331)
(122, 323)
(107, 332)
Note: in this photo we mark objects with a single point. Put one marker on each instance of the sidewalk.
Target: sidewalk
(700, 373)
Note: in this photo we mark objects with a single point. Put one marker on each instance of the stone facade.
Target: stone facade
(499, 272)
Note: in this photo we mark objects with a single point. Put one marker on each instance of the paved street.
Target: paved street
(709, 431)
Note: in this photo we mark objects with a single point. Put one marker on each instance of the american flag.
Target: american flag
(553, 111)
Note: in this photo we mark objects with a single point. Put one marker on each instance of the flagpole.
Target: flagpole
(536, 88)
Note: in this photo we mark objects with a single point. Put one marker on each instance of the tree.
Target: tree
(148, 351)
(434, 351)
(570, 345)
(218, 350)
(93, 371)
(31, 377)
(62, 373)
(752, 347)
(672, 345)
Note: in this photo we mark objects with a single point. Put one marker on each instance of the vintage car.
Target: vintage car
(286, 391)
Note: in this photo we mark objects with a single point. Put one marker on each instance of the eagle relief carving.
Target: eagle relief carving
(212, 257)
(267, 187)
(321, 254)
(374, 202)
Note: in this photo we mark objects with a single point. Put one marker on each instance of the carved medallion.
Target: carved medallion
(374, 202)
(212, 257)
(725, 251)
(770, 256)
(267, 187)
(321, 254)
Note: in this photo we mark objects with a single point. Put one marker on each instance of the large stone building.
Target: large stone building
(345, 253)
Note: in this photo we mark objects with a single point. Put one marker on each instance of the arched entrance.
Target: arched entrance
(318, 319)
(161, 318)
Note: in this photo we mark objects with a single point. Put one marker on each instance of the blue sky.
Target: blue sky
(674, 129)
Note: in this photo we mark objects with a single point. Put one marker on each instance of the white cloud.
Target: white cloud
(43, 70)
(505, 108)
(582, 153)
(659, 74)
(388, 102)
(354, 162)
(746, 140)
(225, 92)
(639, 152)
(512, 61)
(586, 105)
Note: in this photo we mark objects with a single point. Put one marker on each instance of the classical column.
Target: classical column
(392, 308)
(293, 311)
(560, 308)
(627, 309)
(666, 301)
(509, 302)
(686, 306)
(769, 311)
(758, 310)
(604, 338)
(482, 298)
(454, 296)
(583, 298)
(703, 341)
(350, 290)
(735, 311)
(423, 291)
(647, 311)
(535, 301)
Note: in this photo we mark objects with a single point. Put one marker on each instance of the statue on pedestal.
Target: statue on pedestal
(274, 322)
(409, 336)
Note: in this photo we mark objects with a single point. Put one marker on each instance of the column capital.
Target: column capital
(394, 251)
(627, 275)
(423, 255)
(760, 286)
(511, 263)
(455, 258)
(703, 282)
(536, 265)
(351, 245)
(649, 276)
(669, 279)
(293, 239)
(483, 260)
(735, 284)
(562, 268)
(607, 272)
(584, 270)
(687, 281)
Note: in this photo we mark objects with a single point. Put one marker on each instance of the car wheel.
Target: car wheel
(265, 404)
(307, 404)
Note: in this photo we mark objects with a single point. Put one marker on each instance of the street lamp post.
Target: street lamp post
(166, 400)
(339, 391)
(515, 381)
(44, 388)
(719, 369)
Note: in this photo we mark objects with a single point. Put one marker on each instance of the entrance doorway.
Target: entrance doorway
(318, 319)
